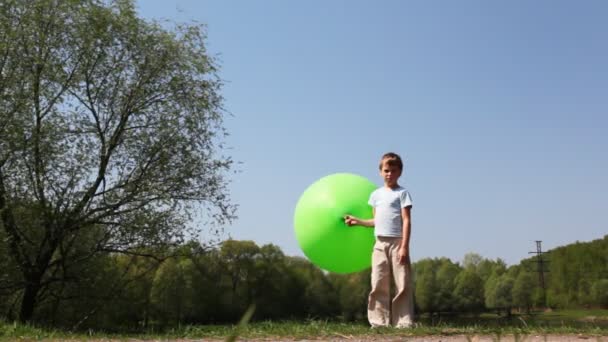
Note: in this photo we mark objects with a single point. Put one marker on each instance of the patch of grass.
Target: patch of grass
(544, 324)
(566, 319)
(318, 329)
(22, 331)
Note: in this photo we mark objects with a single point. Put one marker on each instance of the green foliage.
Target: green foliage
(446, 279)
(572, 271)
(352, 290)
(503, 290)
(487, 267)
(599, 292)
(172, 291)
(523, 291)
(471, 261)
(469, 291)
(194, 284)
(498, 292)
(426, 285)
(490, 291)
(213, 285)
(110, 141)
(435, 282)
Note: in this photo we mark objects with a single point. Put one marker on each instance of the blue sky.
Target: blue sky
(499, 108)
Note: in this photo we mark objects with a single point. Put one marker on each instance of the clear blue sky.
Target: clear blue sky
(499, 108)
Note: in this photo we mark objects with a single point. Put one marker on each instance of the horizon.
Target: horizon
(458, 261)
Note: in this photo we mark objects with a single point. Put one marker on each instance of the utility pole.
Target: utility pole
(541, 269)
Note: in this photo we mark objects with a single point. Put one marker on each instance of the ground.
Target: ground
(435, 338)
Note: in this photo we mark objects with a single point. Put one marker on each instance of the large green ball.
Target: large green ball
(319, 223)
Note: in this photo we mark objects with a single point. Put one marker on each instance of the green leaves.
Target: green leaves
(108, 121)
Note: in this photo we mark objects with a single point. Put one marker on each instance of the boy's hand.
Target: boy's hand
(351, 220)
(402, 255)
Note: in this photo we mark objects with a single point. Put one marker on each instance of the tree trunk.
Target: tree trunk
(28, 302)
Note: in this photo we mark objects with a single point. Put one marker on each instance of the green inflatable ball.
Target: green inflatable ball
(319, 225)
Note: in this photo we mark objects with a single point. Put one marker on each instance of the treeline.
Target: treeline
(574, 276)
(216, 285)
(578, 274)
(193, 286)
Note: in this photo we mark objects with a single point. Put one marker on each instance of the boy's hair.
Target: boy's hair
(392, 159)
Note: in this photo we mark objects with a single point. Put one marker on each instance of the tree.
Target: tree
(173, 290)
(426, 285)
(269, 284)
(498, 292)
(503, 293)
(238, 261)
(585, 296)
(488, 267)
(353, 290)
(471, 260)
(10, 281)
(309, 290)
(523, 291)
(112, 291)
(321, 297)
(490, 291)
(107, 123)
(469, 291)
(600, 292)
(446, 284)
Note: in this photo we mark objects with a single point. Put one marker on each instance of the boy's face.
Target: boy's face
(390, 173)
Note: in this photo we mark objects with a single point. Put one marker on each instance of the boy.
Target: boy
(391, 206)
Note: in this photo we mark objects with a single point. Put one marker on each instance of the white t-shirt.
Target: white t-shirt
(388, 204)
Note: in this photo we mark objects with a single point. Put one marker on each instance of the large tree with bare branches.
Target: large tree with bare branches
(110, 137)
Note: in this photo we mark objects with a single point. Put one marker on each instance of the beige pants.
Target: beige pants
(385, 263)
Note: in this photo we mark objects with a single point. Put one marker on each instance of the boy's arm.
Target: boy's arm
(404, 247)
(355, 221)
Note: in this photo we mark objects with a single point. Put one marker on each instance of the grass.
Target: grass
(578, 320)
(553, 323)
(328, 330)
(13, 331)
